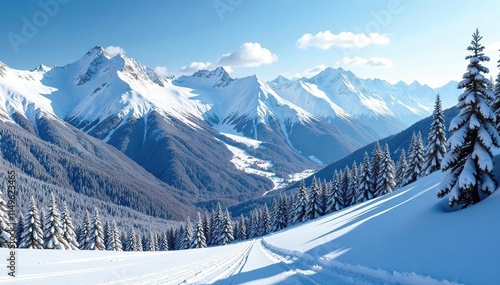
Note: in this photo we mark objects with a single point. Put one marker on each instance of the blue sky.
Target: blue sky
(389, 39)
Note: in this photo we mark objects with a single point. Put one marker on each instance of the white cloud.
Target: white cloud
(374, 62)
(195, 66)
(308, 73)
(248, 55)
(114, 50)
(162, 71)
(325, 40)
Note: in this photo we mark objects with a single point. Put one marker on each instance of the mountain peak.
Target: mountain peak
(42, 68)
(217, 77)
(280, 80)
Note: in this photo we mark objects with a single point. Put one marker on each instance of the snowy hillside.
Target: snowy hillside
(406, 237)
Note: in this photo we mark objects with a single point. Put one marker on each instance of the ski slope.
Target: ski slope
(407, 237)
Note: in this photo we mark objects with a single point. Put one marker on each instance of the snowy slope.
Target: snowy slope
(407, 237)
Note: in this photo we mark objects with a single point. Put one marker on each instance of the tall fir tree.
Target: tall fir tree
(353, 184)
(53, 237)
(152, 245)
(199, 240)
(42, 219)
(313, 210)
(265, 222)
(68, 229)
(242, 229)
(164, 242)
(19, 228)
(415, 159)
(227, 229)
(188, 235)
(207, 228)
(32, 235)
(401, 167)
(106, 231)
(365, 181)
(96, 234)
(5, 233)
(131, 241)
(216, 223)
(333, 198)
(345, 195)
(114, 240)
(436, 141)
(496, 101)
(83, 239)
(375, 166)
(386, 181)
(325, 192)
(139, 246)
(469, 162)
(300, 207)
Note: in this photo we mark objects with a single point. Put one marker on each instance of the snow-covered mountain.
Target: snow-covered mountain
(173, 127)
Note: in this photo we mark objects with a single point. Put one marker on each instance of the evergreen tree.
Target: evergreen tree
(436, 142)
(164, 242)
(152, 245)
(313, 210)
(5, 234)
(353, 184)
(365, 181)
(401, 167)
(84, 237)
(106, 234)
(132, 241)
(53, 237)
(227, 229)
(415, 160)
(325, 191)
(300, 208)
(469, 162)
(32, 235)
(281, 213)
(139, 246)
(386, 182)
(68, 229)
(188, 235)
(216, 223)
(253, 223)
(375, 166)
(96, 234)
(19, 229)
(42, 219)
(199, 240)
(344, 198)
(496, 101)
(207, 228)
(333, 198)
(265, 221)
(114, 241)
(242, 229)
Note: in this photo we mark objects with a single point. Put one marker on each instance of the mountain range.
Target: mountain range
(203, 138)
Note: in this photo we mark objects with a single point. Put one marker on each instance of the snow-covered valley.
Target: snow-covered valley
(406, 237)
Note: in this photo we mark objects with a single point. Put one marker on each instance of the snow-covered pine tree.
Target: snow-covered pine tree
(386, 182)
(32, 235)
(83, 238)
(139, 246)
(114, 240)
(131, 241)
(266, 221)
(53, 237)
(19, 228)
(188, 235)
(313, 210)
(496, 101)
(207, 228)
(96, 234)
(152, 242)
(68, 229)
(401, 167)
(164, 242)
(42, 219)
(353, 184)
(469, 162)
(216, 223)
(5, 233)
(251, 230)
(258, 224)
(242, 229)
(199, 240)
(344, 198)
(280, 214)
(325, 192)
(300, 207)
(365, 181)
(436, 142)
(106, 234)
(333, 197)
(415, 159)
(227, 229)
(375, 166)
